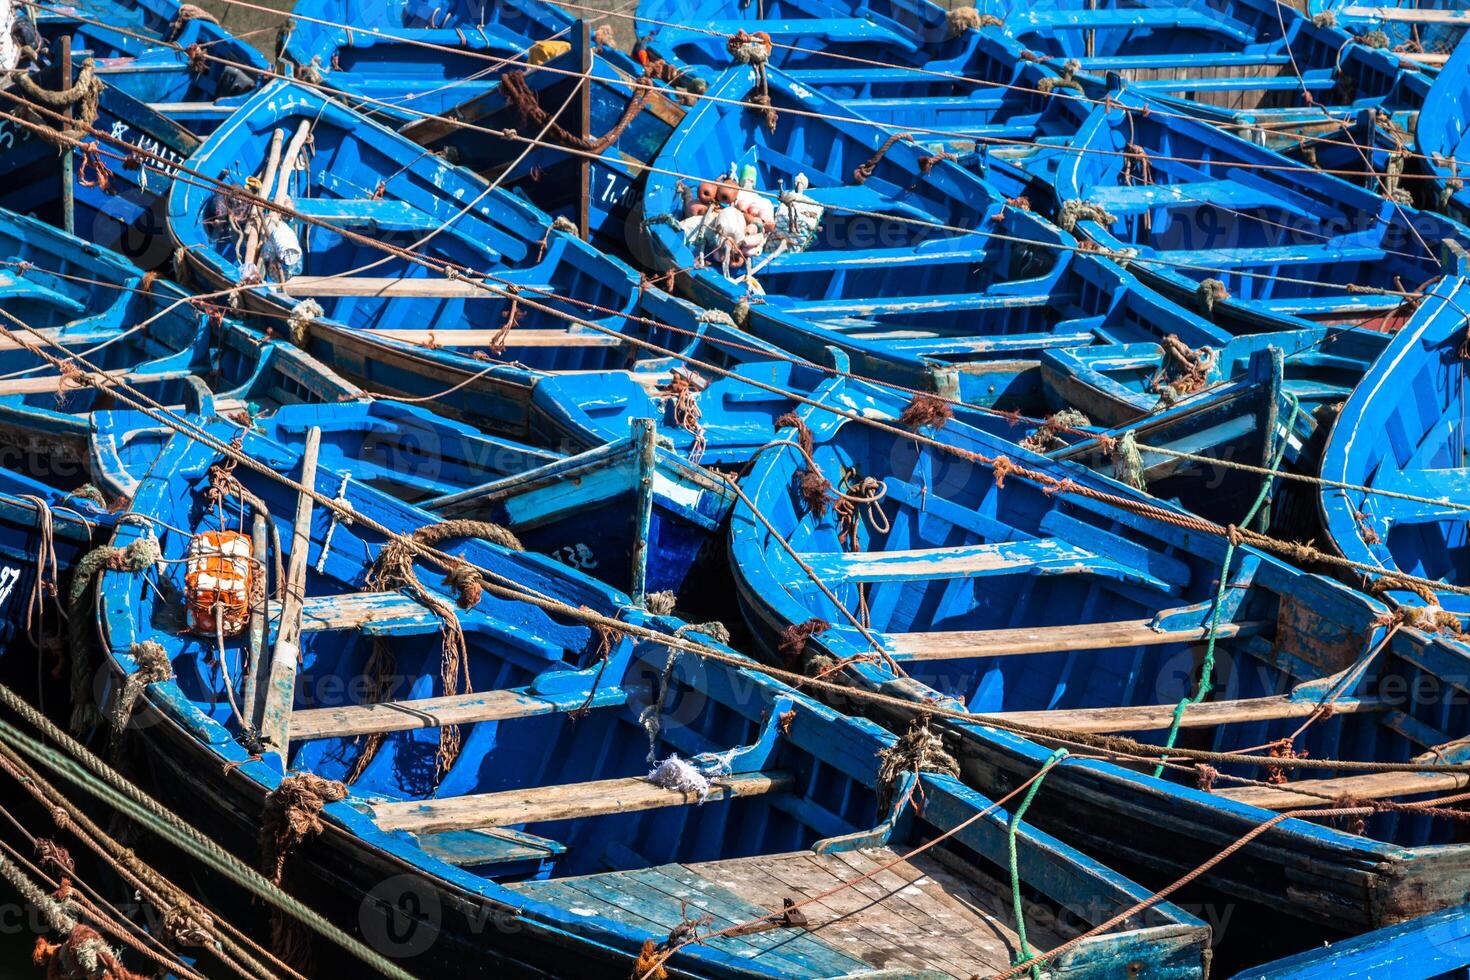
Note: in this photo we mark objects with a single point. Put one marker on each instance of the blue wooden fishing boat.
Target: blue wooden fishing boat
(922, 273)
(1401, 432)
(115, 204)
(1440, 134)
(593, 178)
(1234, 230)
(173, 57)
(632, 513)
(116, 324)
(1048, 610)
(1119, 383)
(1424, 31)
(402, 449)
(44, 533)
(526, 296)
(978, 75)
(402, 60)
(1253, 66)
(1431, 947)
(527, 797)
(902, 64)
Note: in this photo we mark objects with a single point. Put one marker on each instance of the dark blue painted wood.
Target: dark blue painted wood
(1434, 946)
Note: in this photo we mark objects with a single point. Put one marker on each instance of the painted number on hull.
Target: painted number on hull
(577, 556)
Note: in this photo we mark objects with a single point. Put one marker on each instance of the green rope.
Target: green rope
(1024, 955)
(91, 774)
(1207, 668)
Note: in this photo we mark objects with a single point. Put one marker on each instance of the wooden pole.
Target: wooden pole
(68, 159)
(251, 703)
(280, 695)
(645, 437)
(267, 182)
(584, 210)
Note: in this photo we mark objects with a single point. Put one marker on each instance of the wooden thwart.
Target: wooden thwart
(457, 709)
(304, 286)
(551, 337)
(1325, 792)
(1012, 642)
(1158, 717)
(570, 802)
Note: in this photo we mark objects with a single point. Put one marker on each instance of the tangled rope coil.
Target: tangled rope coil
(920, 749)
(292, 814)
(394, 570)
(534, 115)
(1075, 211)
(84, 93)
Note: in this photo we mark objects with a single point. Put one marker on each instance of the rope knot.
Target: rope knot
(464, 580)
(1002, 467)
(750, 49)
(1205, 776)
(1076, 210)
(925, 411)
(864, 170)
(919, 749)
(793, 642)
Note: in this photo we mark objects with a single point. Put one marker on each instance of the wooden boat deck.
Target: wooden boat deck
(917, 918)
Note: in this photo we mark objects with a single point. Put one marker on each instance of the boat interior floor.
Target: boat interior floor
(918, 917)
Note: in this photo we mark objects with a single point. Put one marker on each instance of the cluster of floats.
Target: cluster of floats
(739, 467)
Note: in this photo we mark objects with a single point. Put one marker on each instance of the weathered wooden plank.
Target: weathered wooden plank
(574, 801)
(961, 644)
(1410, 15)
(1157, 717)
(280, 696)
(1322, 792)
(528, 337)
(1049, 554)
(457, 709)
(304, 286)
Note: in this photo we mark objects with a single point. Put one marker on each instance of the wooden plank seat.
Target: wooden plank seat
(1043, 556)
(889, 305)
(882, 258)
(385, 214)
(574, 801)
(348, 721)
(387, 286)
(1335, 303)
(524, 337)
(911, 342)
(1131, 18)
(1225, 193)
(1158, 717)
(52, 383)
(1256, 259)
(1243, 83)
(1170, 62)
(1015, 641)
(1410, 15)
(1324, 792)
(377, 612)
